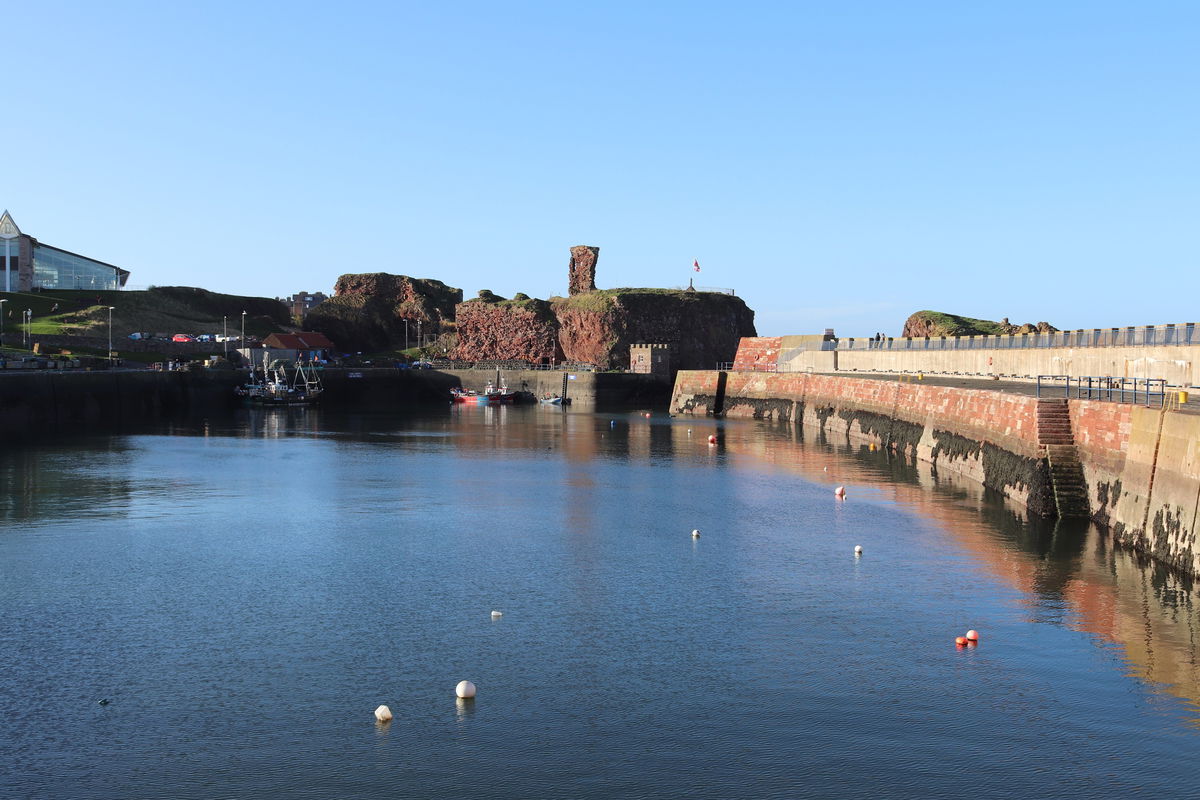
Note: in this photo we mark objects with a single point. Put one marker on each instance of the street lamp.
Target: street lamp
(242, 341)
(405, 332)
(225, 334)
(2, 302)
(110, 310)
(28, 321)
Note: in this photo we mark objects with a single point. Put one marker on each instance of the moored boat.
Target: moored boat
(490, 396)
(271, 387)
(467, 397)
(501, 396)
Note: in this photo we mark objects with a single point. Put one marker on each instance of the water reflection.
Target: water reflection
(1068, 571)
(1066, 574)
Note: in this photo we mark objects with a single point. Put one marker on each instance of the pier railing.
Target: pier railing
(512, 364)
(730, 366)
(1130, 336)
(1151, 392)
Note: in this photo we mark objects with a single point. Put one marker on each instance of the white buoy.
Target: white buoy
(858, 549)
(383, 714)
(497, 614)
(840, 492)
(827, 469)
(696, 534)
(465, 689)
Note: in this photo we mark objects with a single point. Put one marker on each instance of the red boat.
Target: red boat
(490, 396)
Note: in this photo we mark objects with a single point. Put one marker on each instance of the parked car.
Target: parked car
(183, 337)
(206, 337)
(141, 335)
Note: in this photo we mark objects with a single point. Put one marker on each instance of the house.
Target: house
(306, 346)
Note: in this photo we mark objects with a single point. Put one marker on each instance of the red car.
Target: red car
(182, 337)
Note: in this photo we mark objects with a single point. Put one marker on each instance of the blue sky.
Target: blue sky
(837, 164)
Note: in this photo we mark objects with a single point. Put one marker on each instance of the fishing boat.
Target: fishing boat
(490, 396)
(554, 400)
(499, 397)
(272, 387)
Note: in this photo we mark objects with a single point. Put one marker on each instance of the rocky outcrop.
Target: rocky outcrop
(490, 327)
(581, 272)
(594, 326)
(937, 323)
(368, 312)
(703, 328)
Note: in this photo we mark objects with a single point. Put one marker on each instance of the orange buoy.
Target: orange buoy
(872, 448)
(961, 641)
(840, 492)
(972, 636)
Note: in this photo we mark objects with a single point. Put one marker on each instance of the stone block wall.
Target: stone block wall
(758, 353)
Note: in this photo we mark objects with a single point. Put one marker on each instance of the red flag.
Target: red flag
(696, 265)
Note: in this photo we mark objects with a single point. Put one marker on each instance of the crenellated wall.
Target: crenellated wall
(1141, 465)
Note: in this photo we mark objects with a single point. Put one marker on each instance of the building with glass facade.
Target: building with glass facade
(28, 264)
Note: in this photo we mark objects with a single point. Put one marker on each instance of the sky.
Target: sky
(835, 164)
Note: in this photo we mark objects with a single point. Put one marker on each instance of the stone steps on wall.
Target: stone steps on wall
(1066, 472)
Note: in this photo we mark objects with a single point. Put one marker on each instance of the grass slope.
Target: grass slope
(164, 309)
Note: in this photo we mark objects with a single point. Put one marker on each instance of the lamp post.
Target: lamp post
(242, 341)
(225, 334)
(28, 321)
(2, 302)
(110, 310)
(405, 332)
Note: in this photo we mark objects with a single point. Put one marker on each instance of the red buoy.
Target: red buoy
(961, 641)
(712, 439)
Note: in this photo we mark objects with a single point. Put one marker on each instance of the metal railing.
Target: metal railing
(711, 289)
(1130, 336)
(512, 364)
(732, 366)
(1150, 392)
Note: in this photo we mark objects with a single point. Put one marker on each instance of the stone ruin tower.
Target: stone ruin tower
(582, 271)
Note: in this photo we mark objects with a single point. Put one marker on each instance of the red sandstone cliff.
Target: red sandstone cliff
(704, 328)
(490, 327)
(369, 311)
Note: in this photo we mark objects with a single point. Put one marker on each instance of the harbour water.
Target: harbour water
(243, 592)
